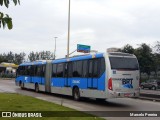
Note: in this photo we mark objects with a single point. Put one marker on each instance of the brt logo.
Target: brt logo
(127, 83)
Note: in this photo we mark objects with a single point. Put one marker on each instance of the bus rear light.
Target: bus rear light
(110, 84)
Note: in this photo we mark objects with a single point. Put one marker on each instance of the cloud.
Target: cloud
(99, 23)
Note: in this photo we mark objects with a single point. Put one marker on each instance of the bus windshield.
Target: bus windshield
(124, 63)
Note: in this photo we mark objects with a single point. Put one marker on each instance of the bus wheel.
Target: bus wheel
(36, 88)
(76, 93)
(21, 85)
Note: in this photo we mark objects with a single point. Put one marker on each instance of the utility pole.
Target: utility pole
(55, 48)
(68, 29)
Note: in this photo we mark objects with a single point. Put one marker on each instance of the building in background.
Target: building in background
(8, 69)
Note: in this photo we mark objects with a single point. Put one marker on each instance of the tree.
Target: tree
(4, 18)
(32, 56)
(3, 58)
(157, 46)
(19, 58)
(127, 49)
(156, 63)
(46, 55)
(10, 57)
(145, 58)
(156, 58)
(43, 55)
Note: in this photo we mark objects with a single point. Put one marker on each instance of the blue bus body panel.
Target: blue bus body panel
(20, 78)
(30, 79)
(101, 82)
(43, 81)
(95, 82)
(89, 82)
(57, 82)
(39, 80)
(82, 83)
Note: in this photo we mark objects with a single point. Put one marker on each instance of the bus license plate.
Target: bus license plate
(128, 94)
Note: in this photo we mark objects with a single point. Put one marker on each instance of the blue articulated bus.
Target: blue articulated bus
(100, 76)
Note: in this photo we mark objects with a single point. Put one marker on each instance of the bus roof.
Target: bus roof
(33, 63)
(76, 58)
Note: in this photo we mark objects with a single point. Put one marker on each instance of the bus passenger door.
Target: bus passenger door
(67, 70)
(95, 73)
(31, 74)
(92, 74)
(37, 78)
(40, 73)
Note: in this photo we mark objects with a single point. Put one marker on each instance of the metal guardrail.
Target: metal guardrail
(151, 95)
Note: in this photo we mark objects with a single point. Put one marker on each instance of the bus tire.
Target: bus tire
(21, 85)
(36, 88)
(76, 94)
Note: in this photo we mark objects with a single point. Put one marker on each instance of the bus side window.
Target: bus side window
(85, 69)
(95, 68)
(60, 70)
(27, 70)
(31, 70)
(20, 71)
(90, 71)
(43, 71)
(102, 66)
(35, 70)
(23, 70)
(70, 69)
(79, 68)
(65, 70)
(38, 72)
(74, 72)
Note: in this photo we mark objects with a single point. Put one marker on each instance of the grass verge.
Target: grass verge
(17, 102)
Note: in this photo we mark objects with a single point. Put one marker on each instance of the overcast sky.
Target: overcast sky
(99, 23)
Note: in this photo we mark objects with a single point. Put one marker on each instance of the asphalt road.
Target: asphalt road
(123, 104)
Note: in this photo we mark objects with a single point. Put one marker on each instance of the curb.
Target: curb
(150, 99)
